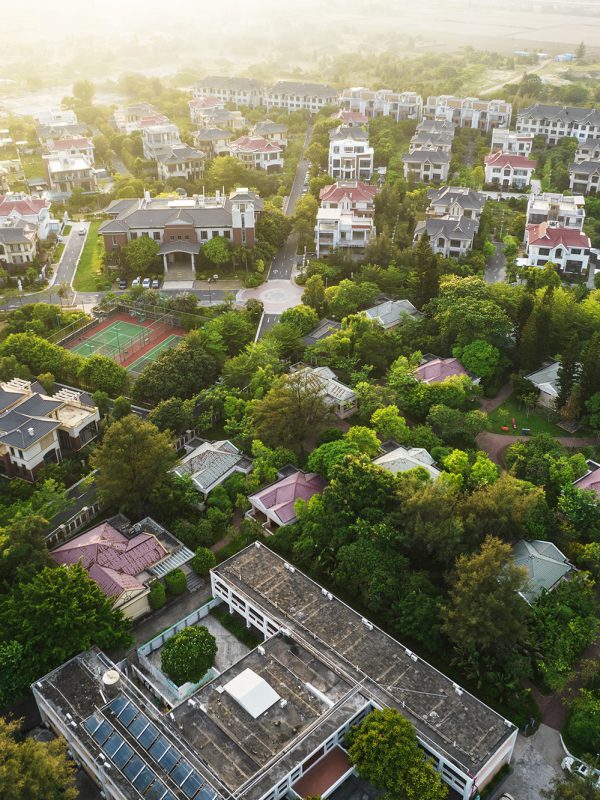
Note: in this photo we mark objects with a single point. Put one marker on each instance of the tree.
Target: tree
(189, 655)
(568, 371)
(33, 770)
(217, 250)
(292, 409)
(59, 613)
(140, 256)
(102, 401)
(364, 439)
(385, 752)
(479, 357)
(203, 561)
(590, 374)
(453, 425)
(304, 318)
(133, 461)
(121, 408)
(484, 612)
(173, 414)
(103, 374)
(389, 424)
(573, 787)
(426, 272)
(314, 293)
(348, 297)
(175, 582)
(157, 597)
(583, 725)
(84, 91)
(325, 458)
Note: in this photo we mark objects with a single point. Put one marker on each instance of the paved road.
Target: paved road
(495, 268)
(536, 761)
(499, 86)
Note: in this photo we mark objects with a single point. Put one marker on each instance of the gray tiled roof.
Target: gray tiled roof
(211, 135)
(22, 431)
(463, 228)
(38, 406)
(12, 235)
(180, 152)
(304, 89)
(391, 312)
(448, 195)
(586, 167)
(424, 156)
(545, 564)
(589, 116)
(210, 463)
(8, 398)
(324, 329)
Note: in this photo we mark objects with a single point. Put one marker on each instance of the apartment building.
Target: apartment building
(512, 142)
(382, 103)
(345, 218)
(257, 152)
(469, 112)
(66, 173)
(563, 211)
(238, 91)
(557, 122)
(451, 238)
(508, 171)
(181, 161)
(455, 202)
(350, 156)
(295, 96)
(584, 178)
(158, 140)
(426, 166)
(38, 429)
(568, 248)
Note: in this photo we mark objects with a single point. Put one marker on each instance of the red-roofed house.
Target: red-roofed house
(18, 208)
(350, 119)
(199, 106)
(74, 146)
(124, 566)
(591, 479)
(436, 370)
(508, 171)
(568, 248)
(273, 506)
(257, 152)
(345, 218)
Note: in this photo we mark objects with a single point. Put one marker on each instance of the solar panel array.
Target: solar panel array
(161, 751)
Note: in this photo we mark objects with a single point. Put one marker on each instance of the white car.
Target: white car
(81, 231)
(146, 283)
(578, 767)
(136, 282)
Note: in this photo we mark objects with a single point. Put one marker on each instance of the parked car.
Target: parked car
(122, 283)
(155, 283)
(81, 231)
(578, 767)
(136, 282)
(146, 283)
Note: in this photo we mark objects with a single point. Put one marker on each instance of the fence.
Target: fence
(186, 622)
(72, 331)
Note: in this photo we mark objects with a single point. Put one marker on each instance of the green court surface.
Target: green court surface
(137, 366)
(114, 340)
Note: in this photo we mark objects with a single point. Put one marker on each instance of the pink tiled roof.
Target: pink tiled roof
(501, 159)
(358, 192)
(280, 497)
(205, 102)
(546, 235)
(351, 116)
(438, 369)
(111, 559)
(590, 481)
(154, 119)
(254, 144)
(26, 207)
(67, 144)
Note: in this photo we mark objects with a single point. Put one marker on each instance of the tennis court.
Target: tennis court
(137, 366)
(114, 341)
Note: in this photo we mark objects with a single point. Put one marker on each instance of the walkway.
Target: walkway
(495, 444)
(536, 761)
(489, 404)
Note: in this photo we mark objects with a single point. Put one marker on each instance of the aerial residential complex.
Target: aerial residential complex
(382, 103)
(556, 122)
(469, 112)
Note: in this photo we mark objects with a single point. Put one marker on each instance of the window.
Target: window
(215, 234)
(133, 235)
(227, 234)
(156, 236)
(204, 235)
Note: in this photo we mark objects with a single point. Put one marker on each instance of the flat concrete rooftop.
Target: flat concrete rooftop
(455, 722)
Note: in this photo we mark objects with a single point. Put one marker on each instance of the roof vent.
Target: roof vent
(30, 431)
(110, 677)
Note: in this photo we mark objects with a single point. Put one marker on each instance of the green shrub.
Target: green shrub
(175, 582)
(157, 597)
(189, 655)
(583, 726)
(203, 561)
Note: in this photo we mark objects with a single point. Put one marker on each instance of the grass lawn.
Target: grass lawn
(90, 263)
(67, 230)
(534, 420)
(58, 252)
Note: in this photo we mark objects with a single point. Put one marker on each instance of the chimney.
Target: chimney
(30, 431)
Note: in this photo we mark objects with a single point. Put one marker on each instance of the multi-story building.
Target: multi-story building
(66, 173)
(272, 132)
(431, 141)
(257, 152)
(588, 151)
(585, 177)
(350, 119)
(239, 91)
(56, 116)
(426, 166)
(469, 112)
(512, 142)
(46, 134)
(557, 122)
(451, 238)
(199, 106)
(454, 202)
(382, 103)
(157, 140)
(564, 211)
(350, 156)
(436, 126)
(18, 245)
(182, 225)
(17, 208)
(222, 118)
(568, 248)
(79, 146)
(294, 96)
(320, 669)
(37, 429)
(345, 218)
(508, 171)
(181, 161)
(212, 141)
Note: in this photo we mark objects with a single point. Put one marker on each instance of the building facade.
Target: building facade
(345, 218)
(557, 122)
(508, 171)
(451, 238)
(350, 156)
(239, 91)
(564, 211)
(469, 112)
(181, 161)
(584, 177)
(426, 166)
(512, 142)
(66, 173)
(382, 103)
(296, 96)
(568, 248)
(159, 140)
(258, 153)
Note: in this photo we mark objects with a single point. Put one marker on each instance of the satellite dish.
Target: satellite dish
(110, 677)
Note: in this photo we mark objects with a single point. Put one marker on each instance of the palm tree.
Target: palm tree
(63, 292)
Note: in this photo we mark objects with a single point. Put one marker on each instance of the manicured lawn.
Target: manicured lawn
(534, 420)
(67, 230)
(58, 252)
(90, 263)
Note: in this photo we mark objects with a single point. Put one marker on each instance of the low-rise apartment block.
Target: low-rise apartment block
(238, 91)
(382, 103)
(564, 211)
(451, 238)
(511, 142)
(568, 248)
(584, 178)
(158, 140)
(199, 106)
(350, 156)
(181, 161)
(38, 429)
(469, 112)
(295, 96)
(508, 171)
(426, 166)
(17, 208)
(257, 152)
(557, 122)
